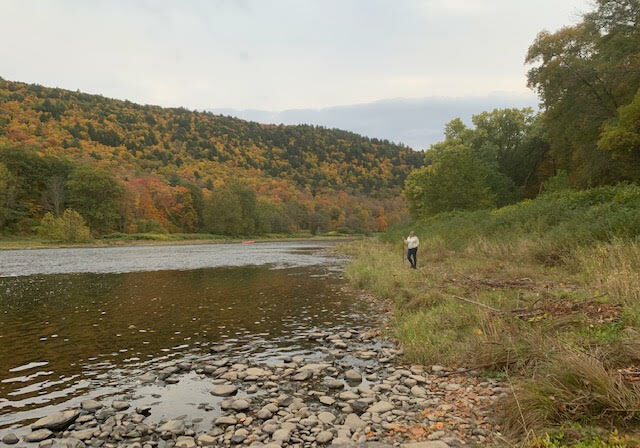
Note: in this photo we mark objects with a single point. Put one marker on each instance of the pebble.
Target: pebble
(10, 439)
(296, 403)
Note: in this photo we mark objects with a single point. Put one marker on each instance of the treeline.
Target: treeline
(199, 147)
(47, 192)
(587, 134)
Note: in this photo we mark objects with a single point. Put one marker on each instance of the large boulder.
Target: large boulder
(57, 421)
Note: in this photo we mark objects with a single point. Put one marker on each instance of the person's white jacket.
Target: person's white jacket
(412, 242)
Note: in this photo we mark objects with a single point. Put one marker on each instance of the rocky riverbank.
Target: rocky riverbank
(353, 393)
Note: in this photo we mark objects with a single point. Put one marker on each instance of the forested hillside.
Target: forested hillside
(162, 169)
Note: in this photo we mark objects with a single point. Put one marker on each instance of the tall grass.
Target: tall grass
(561, 221)
(547, 290)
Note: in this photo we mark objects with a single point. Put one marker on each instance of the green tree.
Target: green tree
(319, 221)
(97, 195)
(621, 138)
(583, 75)
(223, 213)
(456, 180)
(7, 185)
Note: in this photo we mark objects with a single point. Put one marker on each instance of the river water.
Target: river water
(82, 323)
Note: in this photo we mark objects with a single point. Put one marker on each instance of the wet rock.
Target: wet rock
(315, 368)
(302, 376)
(147, 378)
(84, 434)
(332, 383)
(257, 372)
(348, 395)
(69, 442)
(325, 399)
(207, 440)
(359, 407)
(226, 420)
(90, 405)
(185, 442)
(144, 411)
(240, 405)
(353, 375)
(224, 390)
(264, 414)
(220, 348)
(10, 439)
(38, 435)
(119, 405)
(57, 421)
(173, 427)
(239, 436)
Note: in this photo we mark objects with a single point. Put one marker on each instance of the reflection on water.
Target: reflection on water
(66, 337)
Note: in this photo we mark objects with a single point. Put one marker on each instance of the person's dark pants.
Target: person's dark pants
(412, 257)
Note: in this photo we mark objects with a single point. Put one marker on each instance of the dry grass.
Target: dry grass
(564, 324)
(613, 269)
(573, 386)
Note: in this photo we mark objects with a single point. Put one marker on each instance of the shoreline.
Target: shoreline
(356, 393)
(354, 389)
(26, 244)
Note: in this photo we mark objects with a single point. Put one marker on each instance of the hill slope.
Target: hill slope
(159, 139)
(169, 164)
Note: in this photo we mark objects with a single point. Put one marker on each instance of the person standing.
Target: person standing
(412, 243)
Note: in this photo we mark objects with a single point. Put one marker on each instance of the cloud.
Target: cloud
(417, 123)
(275, 55)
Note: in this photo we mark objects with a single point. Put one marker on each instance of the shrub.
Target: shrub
(150, 226)
(70, 228)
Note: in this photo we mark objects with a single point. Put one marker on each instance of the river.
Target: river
(84, 322)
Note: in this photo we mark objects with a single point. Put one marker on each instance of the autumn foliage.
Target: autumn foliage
(129, 168)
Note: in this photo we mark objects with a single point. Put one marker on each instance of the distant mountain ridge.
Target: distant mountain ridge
(416, 122)
(199, 147)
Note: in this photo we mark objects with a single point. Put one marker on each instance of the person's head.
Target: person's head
(411, 233)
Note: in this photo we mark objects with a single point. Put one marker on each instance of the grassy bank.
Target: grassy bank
(545, 293)
(147, 239)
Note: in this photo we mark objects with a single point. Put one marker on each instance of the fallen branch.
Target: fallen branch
(496, 310)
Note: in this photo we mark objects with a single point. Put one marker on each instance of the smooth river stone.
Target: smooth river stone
(257, 371)
(354, 423)
(119, 405)
(10, 439)
(224, 390)
(380, 407)
(57, 421)
(38, 435)
(353, 375)
(172, 426)
(90, 405)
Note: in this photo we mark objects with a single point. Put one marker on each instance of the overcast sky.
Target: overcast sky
(277, 55)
